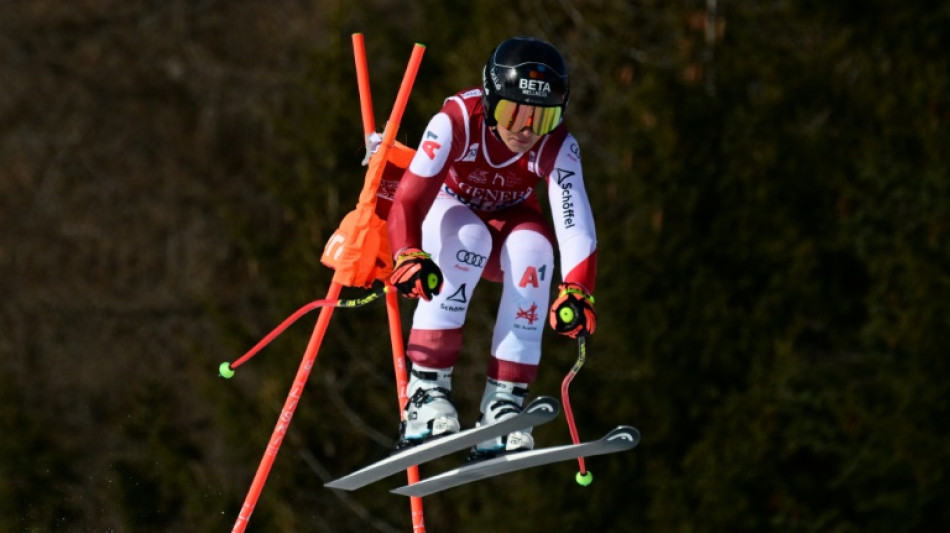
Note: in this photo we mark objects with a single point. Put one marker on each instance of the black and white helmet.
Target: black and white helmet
(525, 84)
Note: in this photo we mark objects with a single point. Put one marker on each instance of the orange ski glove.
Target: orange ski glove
(416, 275)
(572, 312)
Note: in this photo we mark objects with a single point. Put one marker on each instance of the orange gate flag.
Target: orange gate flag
(359, 250)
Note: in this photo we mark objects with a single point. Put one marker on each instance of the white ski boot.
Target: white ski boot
(429, 412)
(502, 400)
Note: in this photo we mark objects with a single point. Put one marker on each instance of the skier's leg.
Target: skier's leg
(527, 260)
(459, 243)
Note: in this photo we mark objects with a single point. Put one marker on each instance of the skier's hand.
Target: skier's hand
(572, 312)
(416, 275)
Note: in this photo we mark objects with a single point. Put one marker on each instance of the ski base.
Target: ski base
(542, 409)
(619, 439)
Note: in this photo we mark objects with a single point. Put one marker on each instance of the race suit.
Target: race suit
(471, 203)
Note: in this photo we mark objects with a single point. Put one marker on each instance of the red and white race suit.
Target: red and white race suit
(471, 203)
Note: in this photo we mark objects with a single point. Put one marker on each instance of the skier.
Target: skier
(466, 209)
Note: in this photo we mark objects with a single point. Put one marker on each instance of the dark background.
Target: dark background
(770, 184)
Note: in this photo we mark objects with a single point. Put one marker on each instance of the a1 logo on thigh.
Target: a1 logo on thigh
(533, 276)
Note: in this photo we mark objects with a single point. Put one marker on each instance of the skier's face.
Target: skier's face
(518, 142)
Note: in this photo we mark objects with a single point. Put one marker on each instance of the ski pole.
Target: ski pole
(226, 369)
(287, 413)
(584, 477)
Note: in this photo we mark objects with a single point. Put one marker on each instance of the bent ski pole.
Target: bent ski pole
(287, 413)
(583, 477)
(226, 369)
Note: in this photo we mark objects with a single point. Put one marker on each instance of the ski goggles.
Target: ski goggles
(515, 117)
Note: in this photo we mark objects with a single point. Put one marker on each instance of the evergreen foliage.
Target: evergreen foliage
(771, 185)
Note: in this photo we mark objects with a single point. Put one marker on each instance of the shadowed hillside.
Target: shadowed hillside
(770, 185)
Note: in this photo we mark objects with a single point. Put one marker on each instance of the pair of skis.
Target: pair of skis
(539, 411)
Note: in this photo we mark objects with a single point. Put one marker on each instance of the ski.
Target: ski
(617, 440)
(539, 411)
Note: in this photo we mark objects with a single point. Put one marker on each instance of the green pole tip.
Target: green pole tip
(225, 370)
(584, 479)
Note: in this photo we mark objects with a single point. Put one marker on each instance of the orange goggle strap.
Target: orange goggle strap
(515, 117)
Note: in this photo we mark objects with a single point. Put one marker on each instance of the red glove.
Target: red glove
(572, 312)
(416, 275)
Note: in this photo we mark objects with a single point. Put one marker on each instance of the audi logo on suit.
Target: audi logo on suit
(470, 258)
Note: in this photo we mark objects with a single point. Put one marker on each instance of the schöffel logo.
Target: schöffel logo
(470, 258)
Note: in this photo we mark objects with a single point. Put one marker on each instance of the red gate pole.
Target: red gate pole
(392, 297)
(402, 380)
(287, 413)
(365, 211)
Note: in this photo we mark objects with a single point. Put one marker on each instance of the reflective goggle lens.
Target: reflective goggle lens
(516, 117)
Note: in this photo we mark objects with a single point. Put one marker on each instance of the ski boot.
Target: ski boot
(502, 400)
(429, 413)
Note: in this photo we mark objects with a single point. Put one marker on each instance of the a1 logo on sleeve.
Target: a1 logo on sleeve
(430, 144)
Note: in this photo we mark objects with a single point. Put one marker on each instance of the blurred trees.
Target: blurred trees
(771, 189)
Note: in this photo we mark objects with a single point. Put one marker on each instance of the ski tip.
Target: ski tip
(341, 485)
(627, 436)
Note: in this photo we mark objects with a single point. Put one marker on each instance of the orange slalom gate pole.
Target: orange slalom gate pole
(362, 82)
(367, 203)
(402, 380)
(368, 195)
(287, 413)
(392, 298)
